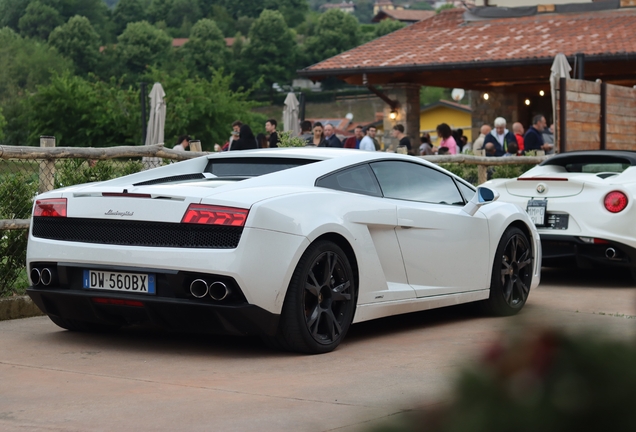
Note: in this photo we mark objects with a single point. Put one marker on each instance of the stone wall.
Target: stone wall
(408, 97)
(499, 104)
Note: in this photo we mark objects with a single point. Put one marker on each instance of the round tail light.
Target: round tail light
(615, 201)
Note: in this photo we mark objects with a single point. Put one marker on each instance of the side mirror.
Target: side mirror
(482, 196)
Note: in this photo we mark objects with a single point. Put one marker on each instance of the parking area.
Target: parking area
(146, 379)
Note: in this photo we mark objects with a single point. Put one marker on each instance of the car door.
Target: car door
(379, 217)
(444, 249)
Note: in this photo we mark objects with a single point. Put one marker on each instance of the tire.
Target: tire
(511, 274)
(320, 302)
(82, 326)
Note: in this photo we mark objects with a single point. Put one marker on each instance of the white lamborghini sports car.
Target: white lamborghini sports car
(582, 204)
(293, 245)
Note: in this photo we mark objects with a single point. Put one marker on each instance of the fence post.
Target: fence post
(47, 167)
(195, 146)
(482, 174)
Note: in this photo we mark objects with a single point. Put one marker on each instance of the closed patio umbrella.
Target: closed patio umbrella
(290, 114)
(156, 123)
(560, 69)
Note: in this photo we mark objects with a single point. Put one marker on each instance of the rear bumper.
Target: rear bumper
(171, 313)
(561, 250)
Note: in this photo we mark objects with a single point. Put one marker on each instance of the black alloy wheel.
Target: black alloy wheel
(320, 301)
(511, 273)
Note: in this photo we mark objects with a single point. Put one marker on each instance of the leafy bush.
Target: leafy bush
(77, 171)
(467, 172)
(16, 195)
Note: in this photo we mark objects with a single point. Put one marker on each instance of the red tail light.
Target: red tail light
(215, 215)
(541, 179)
(615, 201)
(52, 207)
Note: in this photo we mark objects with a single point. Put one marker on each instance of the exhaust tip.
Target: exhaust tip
(199, 288)
(219, 291)
(610, 253)
(46, 276)
(35, 276)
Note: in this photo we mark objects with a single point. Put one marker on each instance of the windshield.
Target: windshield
(252, 167)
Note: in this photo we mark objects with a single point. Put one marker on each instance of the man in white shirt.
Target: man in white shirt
(367, 141)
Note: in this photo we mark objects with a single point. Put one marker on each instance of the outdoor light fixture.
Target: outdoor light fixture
(393, 114)
(486, 96)
(527, 101)
(541, 93)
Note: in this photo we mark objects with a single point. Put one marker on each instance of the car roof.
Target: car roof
(592, 156)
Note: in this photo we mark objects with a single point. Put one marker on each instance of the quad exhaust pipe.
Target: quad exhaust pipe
(610, 253)
(217, 290)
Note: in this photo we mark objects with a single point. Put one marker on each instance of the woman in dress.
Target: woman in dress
(246, 140)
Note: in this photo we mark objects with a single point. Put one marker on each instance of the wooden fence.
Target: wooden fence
(47, 154)
(595, 116)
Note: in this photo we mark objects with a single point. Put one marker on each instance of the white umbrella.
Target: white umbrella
(560, 69)
(290, 114)
(156, 123)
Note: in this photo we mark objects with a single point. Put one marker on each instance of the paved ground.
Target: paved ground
(145, 379)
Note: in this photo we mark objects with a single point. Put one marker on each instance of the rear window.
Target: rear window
(591, 163)
(252, 167)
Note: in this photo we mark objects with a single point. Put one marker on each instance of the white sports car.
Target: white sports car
(582, 203)
(294, 245)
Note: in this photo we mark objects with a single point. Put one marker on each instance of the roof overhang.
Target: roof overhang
(530, 73)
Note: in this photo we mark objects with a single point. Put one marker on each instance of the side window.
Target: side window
(467, 191)
(415, 182)
(358, 179)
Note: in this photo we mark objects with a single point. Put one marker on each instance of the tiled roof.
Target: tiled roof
(404, 15)
(447, 39)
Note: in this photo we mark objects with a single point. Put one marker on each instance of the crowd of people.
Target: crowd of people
(492, 141)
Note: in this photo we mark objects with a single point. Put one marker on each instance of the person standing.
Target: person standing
(500, 137)
(318, 138)
(354, 141)
(330, 137)
(517, 129)
(182, 143)
(270, 127)
(479, 142)
(403, 140)
(246, 140)
(367, 142)
(371, 132)
(446, 134)
(305, 130)
(533, 139)
(426, 147)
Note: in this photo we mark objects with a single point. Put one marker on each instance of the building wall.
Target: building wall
(456, 119)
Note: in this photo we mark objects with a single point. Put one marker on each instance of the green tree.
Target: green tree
(422, 5)
(3, 124)
(159, 10)
(39, 20)
(183, 12)
(364, 11)
(78, 41)
(270, 54)
(336, 32)
(445, 7)
(429, 95)
(387, 26)
(141, 45)
(11, 11)
(292, 10)
(205, 48)
(26, 63)
(128, 11)
(224, 20)
(83, 113)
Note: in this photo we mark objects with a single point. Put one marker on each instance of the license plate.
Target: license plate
(139, 283)
(537, 210)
